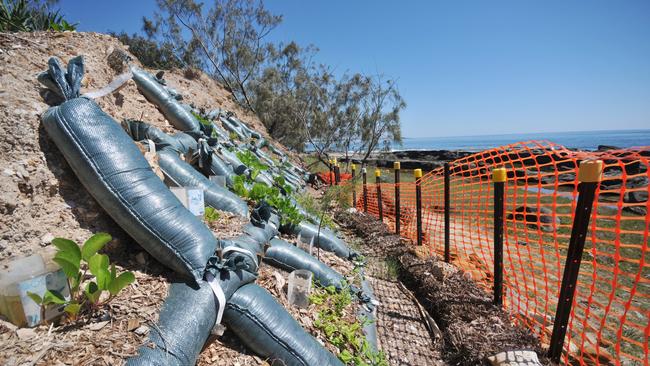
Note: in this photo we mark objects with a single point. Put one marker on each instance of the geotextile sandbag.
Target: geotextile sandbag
(184, 175)
(288, 257)
(265, 327)
(112, 168)
(323, 238)
(368, 312)
(156, 93)
(186, 320)
(142, 131)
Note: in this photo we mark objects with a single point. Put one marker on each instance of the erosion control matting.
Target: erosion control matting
(472, 328)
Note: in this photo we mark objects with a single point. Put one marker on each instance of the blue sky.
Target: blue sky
(469, 67)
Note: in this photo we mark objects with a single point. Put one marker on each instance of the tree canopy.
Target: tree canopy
(302, 103)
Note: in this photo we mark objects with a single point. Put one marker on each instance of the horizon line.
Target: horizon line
(526, 133)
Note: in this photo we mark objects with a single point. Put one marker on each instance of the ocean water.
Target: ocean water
(584, 140)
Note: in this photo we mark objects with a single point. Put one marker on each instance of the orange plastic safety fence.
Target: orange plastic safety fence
(610, 318)
(328, 177)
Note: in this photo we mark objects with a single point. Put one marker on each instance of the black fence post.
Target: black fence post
(588, 177)
(337, 174)
(417, 173)
(380, 205)
(398, 213)
(354, 185)
(499, 179)
(447, 204)
(365, 189)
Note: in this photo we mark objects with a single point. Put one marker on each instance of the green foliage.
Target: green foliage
(233, 136)
(210, 214)
(204, 121)
(272, 195)
(26, 16)
(251, 161)
(224, 38)
(342, 329)
(311, 205)
(149, 52)
(239, 186)
(76, 263)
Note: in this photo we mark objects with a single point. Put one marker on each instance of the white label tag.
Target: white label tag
(191, 198)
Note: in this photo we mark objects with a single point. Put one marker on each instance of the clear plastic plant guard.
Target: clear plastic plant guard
(299, 288)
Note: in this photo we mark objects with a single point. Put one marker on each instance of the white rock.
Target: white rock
(98, 325)
(46, 239)
(141, 330)
(26, 333)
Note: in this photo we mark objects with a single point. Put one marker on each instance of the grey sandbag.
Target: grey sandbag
(265, 327)
(232, 128)
(367, 311)
(289, 257)
(325, 240)
(112, 168)
(186, 319)
(184, 175)
(181, 142)
(178, 116)
(219, 167)
(141, 131)
(231, 158)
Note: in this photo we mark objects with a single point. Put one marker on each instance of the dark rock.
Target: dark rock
(541, 216)
(607, 147)
(635, 197)
(637, 210)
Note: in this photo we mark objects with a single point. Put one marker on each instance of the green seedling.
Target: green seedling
(210, 214)
(85, 293)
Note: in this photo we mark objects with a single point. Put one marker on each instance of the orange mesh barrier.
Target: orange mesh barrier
(327, 177)
(610, 318)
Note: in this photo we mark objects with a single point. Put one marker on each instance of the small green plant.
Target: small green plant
(393, 268)
(342, 329)
(251, 161)
(311, 205)
(204, 121)
(239, 186)
(85, 293)
(210, 214)
(233, 136)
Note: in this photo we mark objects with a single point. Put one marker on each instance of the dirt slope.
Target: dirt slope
(39, 196)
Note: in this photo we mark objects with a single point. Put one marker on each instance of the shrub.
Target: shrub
(24, 16)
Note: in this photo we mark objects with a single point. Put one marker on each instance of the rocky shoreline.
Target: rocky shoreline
(432, 159)
(411, 159)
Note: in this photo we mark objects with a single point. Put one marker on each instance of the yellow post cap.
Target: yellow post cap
(590, 171)
(334, 160)
(499, 175)
(353, 166)
(396, 165)
(417, 173)
(377, 173)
